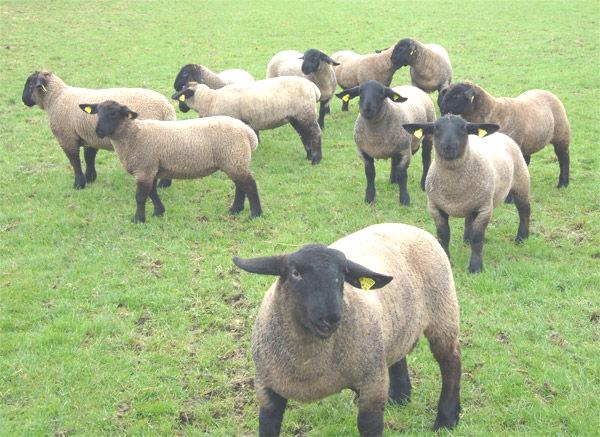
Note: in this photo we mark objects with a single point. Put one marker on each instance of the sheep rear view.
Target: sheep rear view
(322, 328)
(74, 129)
(185, 149)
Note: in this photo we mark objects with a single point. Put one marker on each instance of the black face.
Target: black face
(372, 95)
(35, 83)
(188, 73)
(110, 115)
(314, 276)
(404, 53)
(311, 61)
(458, 99)
(186, 92)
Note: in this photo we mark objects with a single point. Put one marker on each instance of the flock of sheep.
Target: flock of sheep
(320, 329)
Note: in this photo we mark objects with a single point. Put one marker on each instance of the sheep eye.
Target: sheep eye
(296, 274)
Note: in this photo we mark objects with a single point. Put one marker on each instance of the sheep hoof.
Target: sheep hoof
(254, 215)
(90, 177)
(164, 183)
(79, 183)
(520, 239)
(405, 199)
(562, 184)
(235, 210)
(316, 159)
(445, 423)
(422, 184)
(136, 219)
(370, 198)
(159, 213)
(475, 268)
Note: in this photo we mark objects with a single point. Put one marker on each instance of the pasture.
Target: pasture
(107, 327)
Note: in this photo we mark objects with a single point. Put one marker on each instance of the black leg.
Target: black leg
(442, 227)
(448, 358)
(73, 156)
(394, 169)
(480, 222)
(310, 134)
(252, 192)
(323, 111)
(403, 180)
(524, 209)
(562, 153)
(527, 159)
(400, 387)
(238, 201)
(371, 403)
(270, 418)
(159, 208)
(89, 154)
(164, 183)
(468, 227)
(370, 174)
(345, 105)
(141, 194)
(509, 198)
(426, 156)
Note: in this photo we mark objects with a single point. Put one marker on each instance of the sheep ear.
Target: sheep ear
(132, 115)
(90, 109)
(349, 93)
(419, 129)
(268, 265)
(361, 277)
(327, 59)
(183, 94)
(470, 93)
(482, 129)
(394, 96)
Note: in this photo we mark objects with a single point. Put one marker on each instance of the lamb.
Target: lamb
(533, 119)
(313, 65)
(73, 129)
(202, 74)
(185, 149)
(378, 132)
(430, 68)
(264, 104)
(470, 176)
(316, 333)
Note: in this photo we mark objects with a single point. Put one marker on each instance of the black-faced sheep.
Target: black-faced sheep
(201, 74)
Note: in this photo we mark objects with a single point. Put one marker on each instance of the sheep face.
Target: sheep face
(404, 53)
(35, 85)
(458, 99)
(311, 61)
(313, 282)
(187, 92)
(110, 115)
(451, 134)
(188, 73)
(372, 96)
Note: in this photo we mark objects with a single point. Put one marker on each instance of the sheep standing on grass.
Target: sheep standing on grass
(317, 333)
(264, 104)
(378, 131)
(73, 129)
(186, 149)
(470, 176)
(533, 119)
(313, 65)
(201, 74)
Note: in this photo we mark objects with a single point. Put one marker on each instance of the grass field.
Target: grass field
(107, 327)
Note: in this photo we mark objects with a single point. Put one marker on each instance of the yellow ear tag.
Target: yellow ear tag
(88, 109)
(366, 283)
(182, 98)
(44, 88)
(482, 133)
(418, 133)
(346, 98)
(129, 115)
(395, 97)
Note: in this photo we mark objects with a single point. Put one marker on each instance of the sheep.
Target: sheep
(430, 68)
(470, 176)
(378, 131)
(74, 130)
(202, 74)
(533, 119)
(316, 333)
(355, 69)
(313, 65)
(185, 149)
(264, 104)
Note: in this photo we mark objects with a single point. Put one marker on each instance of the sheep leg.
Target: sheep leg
(143, 188)
(442, 227)
(310, 134)
(370, 174)
(323, 111)
(527, 159)
(164, 183)
(249, 187)
(73, 155)
(524, 209)
(371, 403)
(480, 222)
(562, 153)
(426, 156)
(270, 413)
(159, 208)
(446, 351)
(89, 154)
(394, 169)
(403, 179)
(400, 387)
(345, 105)
(468, 228)
(238, 201)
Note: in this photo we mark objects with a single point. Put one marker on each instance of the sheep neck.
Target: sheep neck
(211, 79)
(54, 90)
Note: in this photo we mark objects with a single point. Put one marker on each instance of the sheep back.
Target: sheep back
(355, 69)
(433, 70)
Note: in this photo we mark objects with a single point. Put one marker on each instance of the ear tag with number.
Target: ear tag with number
(418, 133)
(346, 98)
(88, 109)
(366, 283)
(182, 98)
(481, 132)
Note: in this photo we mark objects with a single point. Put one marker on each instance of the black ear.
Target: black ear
(327, 59)
(126, 112)
(394, 96)
(89, 108)
(361, 277)
(470, 93)
(349, 93)
(482, 129)
(419, 129)
(268, 265)
(183, 94)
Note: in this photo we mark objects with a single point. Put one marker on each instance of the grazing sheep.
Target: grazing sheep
(313, 65)
(533, 119)
(470, 176)
(264, 104)
(317, 333)
(378, 131)
(186, 149)
(430, 68)
(201, 74)
(73, 129)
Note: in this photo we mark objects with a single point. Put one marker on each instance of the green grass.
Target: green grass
(108, 327)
